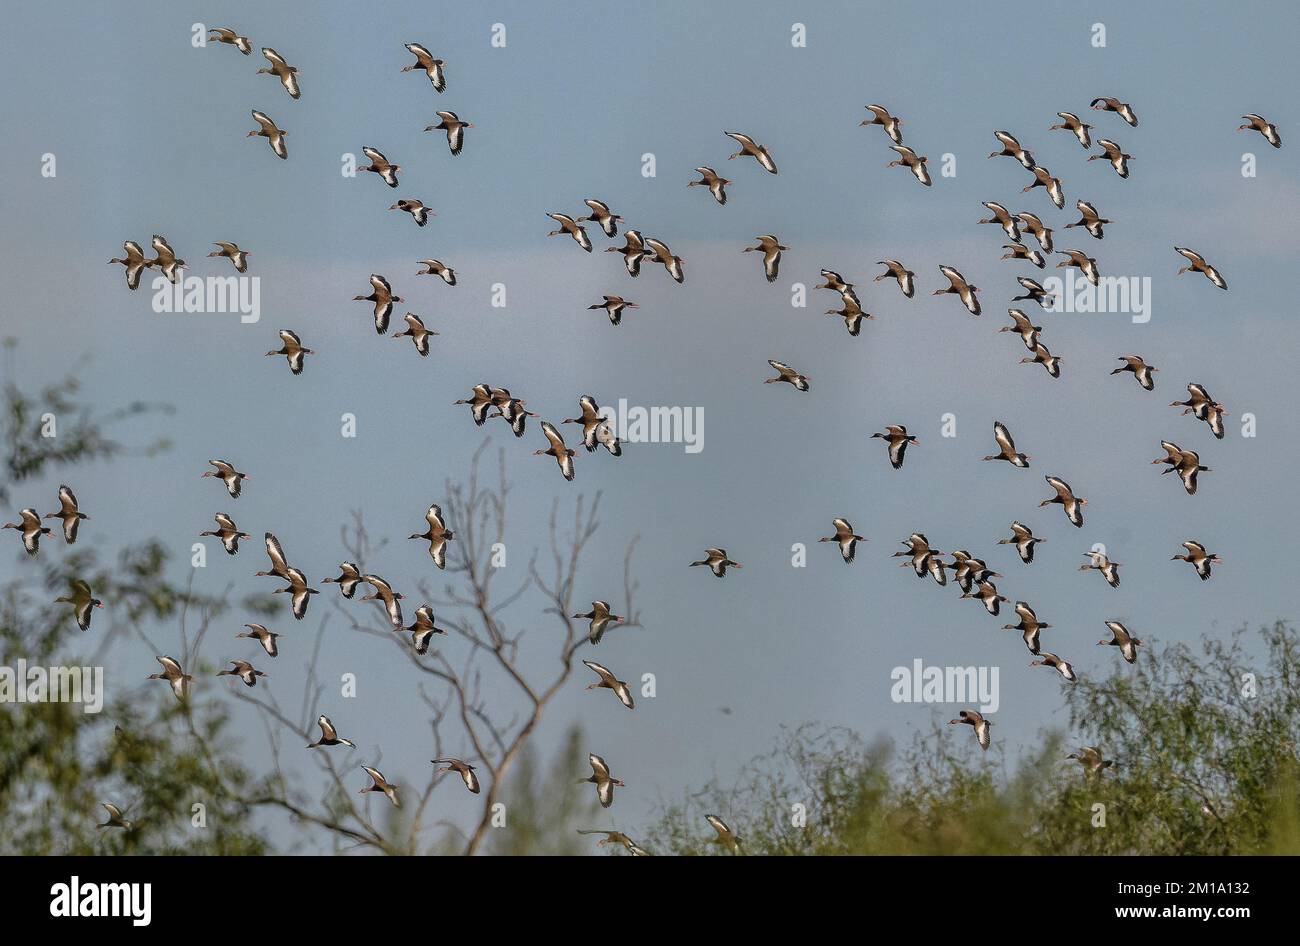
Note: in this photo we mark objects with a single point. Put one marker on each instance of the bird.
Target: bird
(267, 639)
(299, 591)
(1102, 563)
(69, 514)
(83, 602)
(726, 837)
(381, 294)
(1072, 505)
(1029, 626)
(275, 552)
(292, 350)
(837, 283)
(709, 178)
(771, 249)
(604, 781)
(1043, 356)
(1090, 219)
(177, 678)
(384, 592)
(227, 532)
(1091, 760)
(1023, 538)
(633, 250)
(754, 150)
(419, 213)
(1048, 659)
(1007, 447)
(1203, 407)
(379, 784)
(417, 333)
(1072, 122)
(271, 132)
(921, 555)
(787, 374)
(329, 736)
(1011, 148)
(659, 250)
(909, 159)
(1265, 128)
(380, 165)
(233, 479)
(975, 720)
(562, 454)
(618, 837)
(432, 67)
(455, 129)
(1121, 638)
(437, 268)
(463, 769)
(423, 628)
(348, 580)
(614, 306)
(1019, 251)
(1123, 109)
(898, 438)
(602, 215)
(846, 538)
(1043, 178)
(1027, 331)
(718, 562)
(165, 259)
(287, 74)
(1199, 265)
(1034, 225)
(600, 617)
(1141, 370)
(880, 116)
(1114, 154)
(134, 261)
(969, 571)
(1187, 467)
(851, 312)
(572, 228)
(242, 43)
(1034, 292)
(593, 420)
(479, 401)
(1002, 217)
(232, 252)
(987, 594)
(958, 285)
(1198, 558)
(1085, 263)
(906, 278)
(244, 670)
(115, 819)
(608, 681)
(512, 410)
(438, 535)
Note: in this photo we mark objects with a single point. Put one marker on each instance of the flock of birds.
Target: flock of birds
(970, 573)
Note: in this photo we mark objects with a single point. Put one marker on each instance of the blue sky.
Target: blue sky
(149, 135)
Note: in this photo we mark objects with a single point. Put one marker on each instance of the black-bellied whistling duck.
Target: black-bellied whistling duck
(1101, 562)
(232, 252)
(298, 590)
(1121, 638)
(771, 249)
(479, 402)
(604, 781)
(1107, 104)
(1114, 154)
(1072, 504)
(423, 628)
(1199, 265)
(1090, 758)
(279, 564)
(618, 837)
(1020, 251)
(880, 116)
(913, 162)
(1141, 370)
(379, 784)
(1203, 407)
(748, 146)
(1023, 538)
(380, 165)
(726, 837)
(958, 285)
(614, 306)
(293, 351)
(851, 312)
(601, 215)
(223, 35)
(1072, 122)
(1085, 263)
(1188, 466)
(165, 259)
(267, 639)
(837, 283)
(463, 769)
(845, 538)
(906, 278)
(511, 410)
(787, 374)
(987, 594)
(1090, 220)
(244, 670)
(717, 561)
(1043, 178)
(348, 580)
(1007, 447)
(271, 132)
(233, 479)
(381, 294)
(593, 421)
(969, 571)
(115, 818)
(83, 602)
(433, 267)
(416, 208)
(1029, 626)
(633, 250)
(557, 449)
(417, 333)
(455, 128)
(1034, 292)
(1198, 558)
(709, 178)
(134, 261)
(1063, 667)
(608, 681)
(976, 721)
(1027, 331)
(287, 74)
(1043, 356)
(662, 254)
(384, 592)
(431, 67)
(1011, 149)
(1173, 454)
(329, 736)
(600, 617)
(572, 228)
(898, 438)
(437, 534)
(1002, 217)
(177, 678)
(227, 532)
(69, 514)
(1032, 223)
(920, 555)
(1258, 123)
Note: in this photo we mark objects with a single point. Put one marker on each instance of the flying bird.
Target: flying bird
(1007, 447)
(438, 535)
(1048, 659)
(244, 670)
(227, 532)
(845, 538)
(1102, 563)
(909, 159)
(433, 267)
(287, 74)
(419, 213)
(232, 252)
(958, 285)
(1072, 122)
(608, 681)
(1199, 265)
(602, 215)
(1072, 505)
(329, 736)
(455, 129)
(709, 178)
(1140, 369)
(880, 116)
(271, 132)
(380, 165)
(432, 67)
(572, 228)
(233, 479)
(177, 678)
(898, 439)
(1029, 626)
(1123, 109)
(381, 294)
(379, 784)
(905, 277)
(789, 375)
(134, 262)
(1023, 538)
(1114, 154)
(292, 350)
(1011, 148)
(70, 515)
(1121, 638)
(600, 617)
(223, 35)
(976, 721)
(718, 562)
(417, 333)
(1043, 178)
(1198, 558)
(659, 250)
(463, 769)
(754, 150)
(604, 781)
(633, 250)
(771, 249)
(348, 580)
(1265, 128)
(83, 602)
(614, 306)
(267, 639)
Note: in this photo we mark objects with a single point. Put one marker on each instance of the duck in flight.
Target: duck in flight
(1072, 122)
(176, 678)
(1121, 638)
(432, 67)
(754, 150)
(633, 251)
(134, 262)
(244, 670)
(618, 837)
(1101, 562)
(433, 267)
(1260, 124)
(1114, 154)
(557, 449)
(845, 538)
(787, 374)
(906, 278)
(381, 294)
(601, 215)
(1011, 149)
(416, 208)
(293, 350)
(379, 784)
(1029, 626)
(438, 535)
(1023, 538)
(1140, 369)
(709, 178)
(423, 628)
(455, 129)
(232, 252)
(600, 617)
(69, 514)
(1122, 109)
(1007, 447)
(348, 580)
(380, 165)
(976, 721)
(604, 781)
(1072, 504)
(417, 333)
(329, 736)
(287, 74)
(1198, 558)
(771, 249)
(614, 306)
(1033, 224)
(1026, 329)
(958, 285)
(662, 254)
(1043, 178)
(227, 532)
(912, 161)
(572, 228)
(1034, 292)
(1063, 667)
(83, 602)
(463, 769)
(898, 438)
(1043, 356)
(271, 132)
(233, 479)
(1199, 265)
(608, 681)
(880, 116)
(267, 639)
(224, 35)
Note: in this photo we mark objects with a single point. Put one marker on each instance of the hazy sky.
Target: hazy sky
(149, 135)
